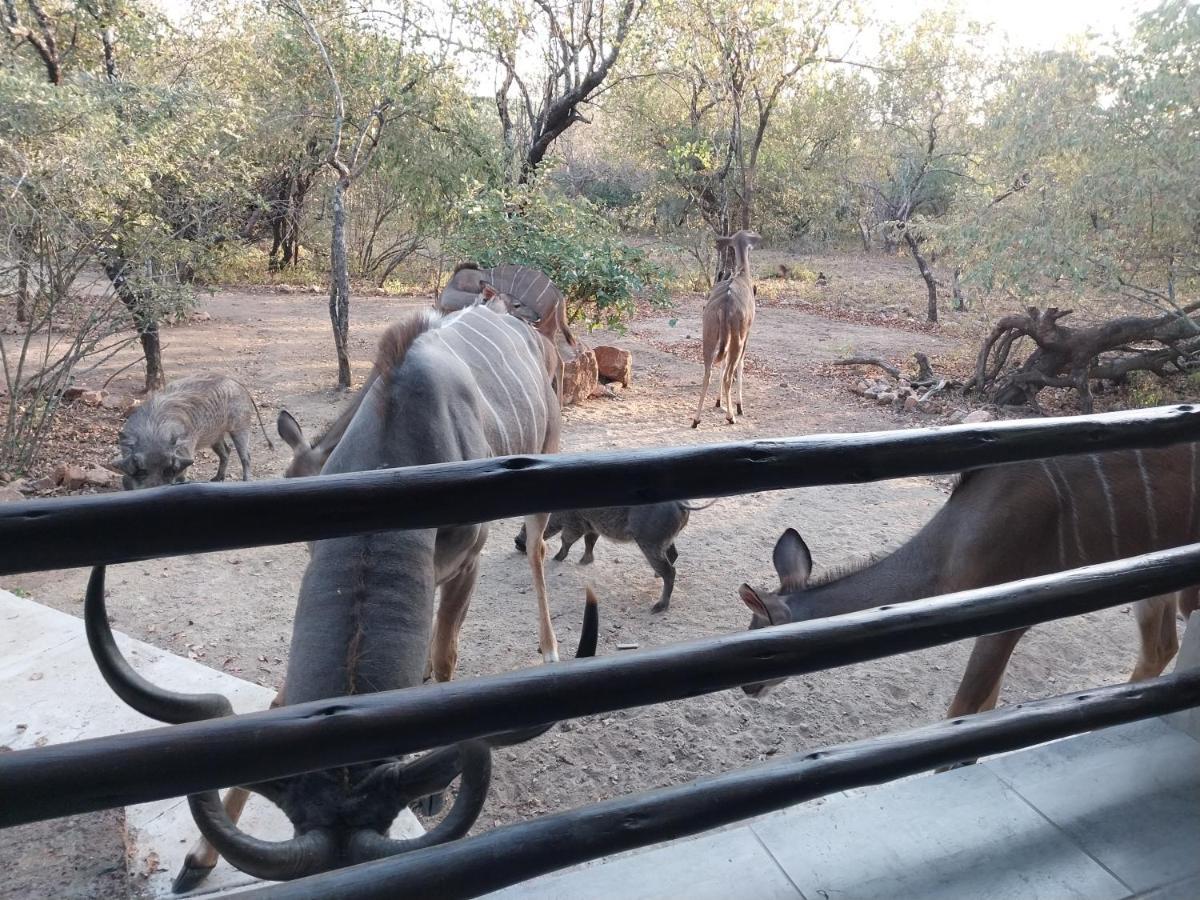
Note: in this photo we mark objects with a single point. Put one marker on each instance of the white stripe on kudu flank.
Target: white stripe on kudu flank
(523, 352)
(1074, 512)
(516, 378)
(495, 417)
(1151, 512)
(1108, 498)
(500, 382)
(1061, 523)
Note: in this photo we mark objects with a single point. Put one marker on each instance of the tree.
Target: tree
(1093, 189)
(576, 45)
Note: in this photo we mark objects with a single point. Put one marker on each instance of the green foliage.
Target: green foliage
(568, 239)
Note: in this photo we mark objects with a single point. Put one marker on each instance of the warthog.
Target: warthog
(653, 527)
(159, 439)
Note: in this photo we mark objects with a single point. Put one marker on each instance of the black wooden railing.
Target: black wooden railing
(82, 776)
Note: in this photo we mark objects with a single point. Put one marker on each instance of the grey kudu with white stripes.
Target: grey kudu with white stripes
(446, 388)
(1006, 523)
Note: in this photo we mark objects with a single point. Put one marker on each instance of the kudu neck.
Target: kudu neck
(909, 573)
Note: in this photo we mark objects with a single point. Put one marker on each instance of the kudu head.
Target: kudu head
(340, 816)
(307, 459)
(793, 564)
(506, 303)
(739, 244)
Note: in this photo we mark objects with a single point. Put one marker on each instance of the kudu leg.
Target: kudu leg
(202, 857)
(589, 548)
(979, 689)
(452, 610)
(732, 361)
(535, 527)
(1159, 640)
(704, 392)
(241, 443)
(740, 366)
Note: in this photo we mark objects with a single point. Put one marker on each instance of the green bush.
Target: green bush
(567, 239)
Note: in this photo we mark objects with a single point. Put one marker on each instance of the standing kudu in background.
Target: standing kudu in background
(465, 386)
(728, 316)
(1006, 523)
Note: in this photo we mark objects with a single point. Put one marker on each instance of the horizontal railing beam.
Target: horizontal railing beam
(201, 517)
(514, 853)
(83, 776)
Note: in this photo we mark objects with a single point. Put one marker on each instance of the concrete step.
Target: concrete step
(51, 693)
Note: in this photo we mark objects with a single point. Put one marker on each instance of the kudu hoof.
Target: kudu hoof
(739, 409)
(660, 606)
(189, 877)
(695, 423)
(551, 657)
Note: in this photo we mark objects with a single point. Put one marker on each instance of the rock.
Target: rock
(860, 388)
(93, 398)
(201, 315)
(44, 484)
(956, 416)
(910, 403)
(10, 495)
(72, 393)
(886, 397)
(98, 477)
(115, 401)
(70, 477)
(979, 415)
(580, 377)
(614, 364)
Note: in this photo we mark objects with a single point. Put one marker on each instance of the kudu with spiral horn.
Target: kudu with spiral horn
(469, 385)
(341, 817)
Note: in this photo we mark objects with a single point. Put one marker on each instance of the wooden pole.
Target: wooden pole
(505, 856)
(195, 518)
(83, 776)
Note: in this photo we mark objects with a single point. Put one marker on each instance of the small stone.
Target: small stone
(69, 476)
(10, 495)
(910, 403)
(98, 477)
(43, 484)
(72, 393)
(115, 401)
(979, 415)
(886, 397)
(860, 388)
(632, 645)
(93, 398)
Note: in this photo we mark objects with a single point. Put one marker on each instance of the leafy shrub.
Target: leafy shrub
(568, 239)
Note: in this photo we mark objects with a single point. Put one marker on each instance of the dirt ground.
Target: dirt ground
(233, 610)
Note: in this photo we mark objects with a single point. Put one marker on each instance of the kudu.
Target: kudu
(464, 386)
(728, 316)
(1010, 522)
(531, 296)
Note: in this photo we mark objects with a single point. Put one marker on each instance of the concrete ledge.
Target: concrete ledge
(51, 693)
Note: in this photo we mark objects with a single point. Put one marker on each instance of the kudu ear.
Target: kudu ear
(793, 561)
(755, 603)
(291, 432)
(487, 291)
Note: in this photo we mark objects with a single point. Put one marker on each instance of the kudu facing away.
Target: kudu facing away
(459, 387)
(1010, 522)
(728, 316)
(309, 457)
(531, 295)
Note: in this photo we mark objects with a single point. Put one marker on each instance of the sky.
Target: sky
(1033, 24)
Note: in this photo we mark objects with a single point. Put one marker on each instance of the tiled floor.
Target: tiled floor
(1103, 816)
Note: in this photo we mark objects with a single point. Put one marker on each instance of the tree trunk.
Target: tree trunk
(959, 301)
(864, 234)
(926, 273)
(339, 283)
(116, 267)
(24, 256)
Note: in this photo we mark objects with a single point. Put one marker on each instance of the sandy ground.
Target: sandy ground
(233, 610)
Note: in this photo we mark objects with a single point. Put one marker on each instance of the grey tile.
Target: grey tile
(962, 834)
(1188, 889)
(1129, 796)
(719, 866)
